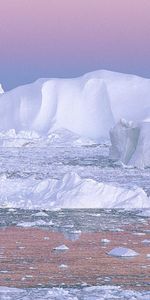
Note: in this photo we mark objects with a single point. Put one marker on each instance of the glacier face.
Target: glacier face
(89, 105)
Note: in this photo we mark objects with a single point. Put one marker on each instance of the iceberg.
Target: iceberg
(88, 105)
(71, 191)
(130, 143)
(124, 138)
(141, 157)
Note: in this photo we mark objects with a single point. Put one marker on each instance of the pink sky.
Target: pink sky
(69, 37)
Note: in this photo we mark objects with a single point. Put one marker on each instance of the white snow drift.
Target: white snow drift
(88, 105)
(69, 192)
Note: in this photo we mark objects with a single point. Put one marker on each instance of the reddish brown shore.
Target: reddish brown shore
(27, 258)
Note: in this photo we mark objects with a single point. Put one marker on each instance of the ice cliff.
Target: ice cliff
(89, 105)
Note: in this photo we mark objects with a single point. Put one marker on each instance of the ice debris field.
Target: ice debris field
(101, 108)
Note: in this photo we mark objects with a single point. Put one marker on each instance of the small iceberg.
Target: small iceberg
(105, 241)
(61, 248)
(122, 252)
(62, 266)
(146, 241)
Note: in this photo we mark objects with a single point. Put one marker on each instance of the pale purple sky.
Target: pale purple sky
(66, 38)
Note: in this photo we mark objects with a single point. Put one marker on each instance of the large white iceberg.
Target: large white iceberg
(71, 191)
(88, 105)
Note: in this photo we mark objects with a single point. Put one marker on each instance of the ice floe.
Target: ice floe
(122, 252)
(61, 248)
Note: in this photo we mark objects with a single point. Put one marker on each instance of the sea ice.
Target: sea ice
(40, 214)
(36, 223)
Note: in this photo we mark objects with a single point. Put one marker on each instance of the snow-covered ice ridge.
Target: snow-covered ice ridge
(71, 191)
(89, 105)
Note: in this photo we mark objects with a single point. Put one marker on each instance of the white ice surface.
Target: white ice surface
(86, 293)
(71, 191)
(88, 105)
